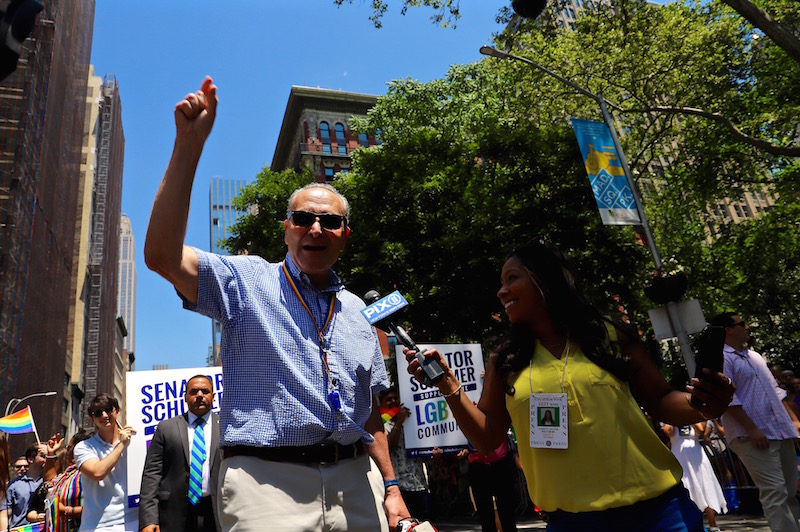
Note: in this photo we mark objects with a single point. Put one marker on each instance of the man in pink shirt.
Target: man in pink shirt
(759, 427)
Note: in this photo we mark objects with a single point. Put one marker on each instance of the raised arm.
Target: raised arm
(98, 468)
(54, 444)
(484, 425)
(164, 250)
(667, 404)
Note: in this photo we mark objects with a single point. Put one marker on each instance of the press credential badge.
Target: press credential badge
(549, 421)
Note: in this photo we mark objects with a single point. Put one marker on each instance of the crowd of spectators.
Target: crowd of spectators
(789, 381)
(44, 485)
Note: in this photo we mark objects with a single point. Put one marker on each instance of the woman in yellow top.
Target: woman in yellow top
(600, 466)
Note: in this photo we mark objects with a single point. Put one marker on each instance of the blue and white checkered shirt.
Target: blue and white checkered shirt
(758, 394)
(275, 383)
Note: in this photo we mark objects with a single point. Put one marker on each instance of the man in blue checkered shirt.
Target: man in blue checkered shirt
(760, 427)
(302, 438)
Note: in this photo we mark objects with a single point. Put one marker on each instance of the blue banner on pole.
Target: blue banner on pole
(611, 191)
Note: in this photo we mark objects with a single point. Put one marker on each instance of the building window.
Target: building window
(378, 136)
(341, 142)
(325, 137)
(738, 210)
(328, 174)
(363, 140)
(746, 211)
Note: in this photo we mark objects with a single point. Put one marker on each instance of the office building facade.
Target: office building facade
(101, 358)
(42, 107)
(126, 283)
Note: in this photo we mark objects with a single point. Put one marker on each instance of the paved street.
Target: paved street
(729, 523)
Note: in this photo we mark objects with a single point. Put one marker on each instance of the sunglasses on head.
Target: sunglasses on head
(328, 221)
(98, 413)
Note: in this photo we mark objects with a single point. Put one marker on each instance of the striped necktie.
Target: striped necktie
(196, 462)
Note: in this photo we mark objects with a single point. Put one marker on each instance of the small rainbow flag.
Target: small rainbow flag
(389, 413)
(18, 422)
(27, 528)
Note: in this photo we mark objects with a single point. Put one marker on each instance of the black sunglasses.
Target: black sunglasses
(98, 413)
(328, 221)
(739, 324)
(20, 466)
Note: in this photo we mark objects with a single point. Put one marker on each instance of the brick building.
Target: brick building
(315, 131)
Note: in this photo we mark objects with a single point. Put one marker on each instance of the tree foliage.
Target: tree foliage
(780, 26)
(445, 12)
(654, 62)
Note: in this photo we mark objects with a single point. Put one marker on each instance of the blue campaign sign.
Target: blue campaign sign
(612, 194)
(384, 307)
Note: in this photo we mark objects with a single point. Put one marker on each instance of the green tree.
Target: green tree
(753, 269)
(780, 27)
(684, 159)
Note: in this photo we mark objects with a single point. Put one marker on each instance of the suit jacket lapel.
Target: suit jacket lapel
(183, 434)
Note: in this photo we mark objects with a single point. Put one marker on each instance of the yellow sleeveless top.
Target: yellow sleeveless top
(614, 457)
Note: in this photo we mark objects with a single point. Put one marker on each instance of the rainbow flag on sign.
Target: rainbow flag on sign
(18, 422)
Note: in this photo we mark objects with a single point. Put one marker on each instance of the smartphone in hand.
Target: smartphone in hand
(710, 345)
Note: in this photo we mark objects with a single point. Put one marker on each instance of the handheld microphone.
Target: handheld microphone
(377, 313)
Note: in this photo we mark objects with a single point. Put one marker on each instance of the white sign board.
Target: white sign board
(690, 314)
(152, 397)
(431, 424)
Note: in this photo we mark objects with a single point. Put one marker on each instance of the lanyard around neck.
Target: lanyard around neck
(320, 331)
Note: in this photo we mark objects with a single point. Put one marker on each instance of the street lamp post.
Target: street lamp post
(672, 307)
(14, 402)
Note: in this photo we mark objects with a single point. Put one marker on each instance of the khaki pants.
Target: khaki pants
(774, 470)
(258, 495)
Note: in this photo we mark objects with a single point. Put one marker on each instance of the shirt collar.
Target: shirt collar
(335, 284)
(731, 350)
(193, 417)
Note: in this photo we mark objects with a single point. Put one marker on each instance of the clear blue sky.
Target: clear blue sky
(255, 50)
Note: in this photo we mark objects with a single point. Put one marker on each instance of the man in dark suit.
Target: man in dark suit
(171, 498)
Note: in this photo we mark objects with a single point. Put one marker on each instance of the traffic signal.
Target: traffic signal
(528, 8)
(17, 18)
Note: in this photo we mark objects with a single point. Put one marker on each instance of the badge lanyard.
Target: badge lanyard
(333, 392)
(549, 420)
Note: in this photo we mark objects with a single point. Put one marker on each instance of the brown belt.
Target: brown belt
(321, 453)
